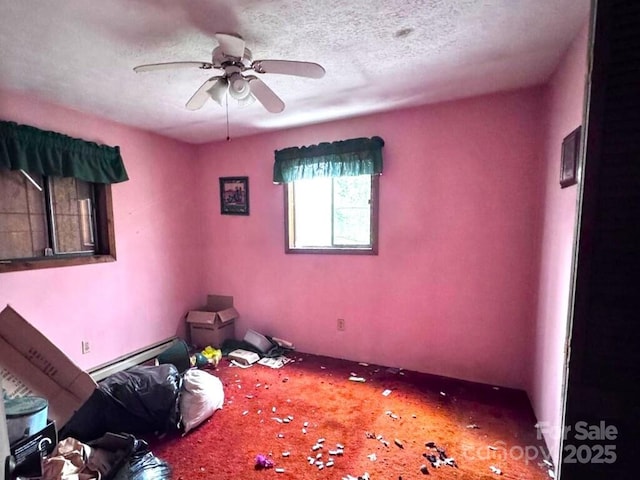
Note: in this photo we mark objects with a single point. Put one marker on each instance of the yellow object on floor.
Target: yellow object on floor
(214, 355)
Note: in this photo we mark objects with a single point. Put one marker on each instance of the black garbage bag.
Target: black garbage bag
(137, 463)
(137, 401)
(144, 465)
(125, 457)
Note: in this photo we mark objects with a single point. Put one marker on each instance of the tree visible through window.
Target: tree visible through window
(332, 215)
(331, 195)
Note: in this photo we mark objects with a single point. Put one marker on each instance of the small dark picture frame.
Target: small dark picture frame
(234, 195)
(570, 156)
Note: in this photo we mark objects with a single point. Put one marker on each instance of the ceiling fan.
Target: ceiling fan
(234, 59)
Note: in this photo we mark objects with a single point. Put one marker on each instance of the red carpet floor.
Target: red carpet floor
(478, 426)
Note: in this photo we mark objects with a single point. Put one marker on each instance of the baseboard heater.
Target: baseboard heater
(132, 359)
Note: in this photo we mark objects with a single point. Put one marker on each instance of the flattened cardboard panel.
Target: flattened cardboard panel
(31, 365)
(219, 302)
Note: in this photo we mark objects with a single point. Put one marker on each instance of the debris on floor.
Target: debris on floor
(441, 458)
(285, 454)
(364, 476)
(392, 415)
(262, 461)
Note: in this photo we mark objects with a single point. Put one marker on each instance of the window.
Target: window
(331, 196)
(332, 215)
(55, 199)
(52, 221)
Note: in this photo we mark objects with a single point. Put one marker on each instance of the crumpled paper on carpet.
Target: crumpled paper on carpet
(69, 461)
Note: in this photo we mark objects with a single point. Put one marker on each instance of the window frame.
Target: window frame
(105, 236)
(342, 250)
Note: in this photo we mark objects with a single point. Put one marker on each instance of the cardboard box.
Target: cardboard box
(31, 365)
(213, 323)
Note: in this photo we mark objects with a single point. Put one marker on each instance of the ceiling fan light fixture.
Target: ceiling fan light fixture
(218, 90)
(239, 87)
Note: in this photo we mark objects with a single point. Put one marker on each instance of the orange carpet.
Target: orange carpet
(311, 421)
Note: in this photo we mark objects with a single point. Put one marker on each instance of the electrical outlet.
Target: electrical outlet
(86, 348)
(341, 324)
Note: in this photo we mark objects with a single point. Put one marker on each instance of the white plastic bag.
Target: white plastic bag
(202, 394)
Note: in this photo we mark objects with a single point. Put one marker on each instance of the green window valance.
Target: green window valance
(357, 156)
(27, 148)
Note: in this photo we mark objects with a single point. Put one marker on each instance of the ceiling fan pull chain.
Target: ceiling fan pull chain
(227, 105)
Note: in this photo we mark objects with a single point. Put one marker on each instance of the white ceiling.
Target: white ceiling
(378, 54)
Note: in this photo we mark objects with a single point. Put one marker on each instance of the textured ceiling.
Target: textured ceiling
(379, 55)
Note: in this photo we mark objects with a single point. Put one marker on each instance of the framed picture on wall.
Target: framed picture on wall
(234, 195)
(570, 157)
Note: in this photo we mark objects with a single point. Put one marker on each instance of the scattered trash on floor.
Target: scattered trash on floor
(262, 461)
(386, 393)
(473, 426)
(357, 379)
(441, 458)
(275, 362)
(389, 413)
(372, 456)
(364, 476)
(380, 438)
(495, 470)
(398, 443)
(424, 470)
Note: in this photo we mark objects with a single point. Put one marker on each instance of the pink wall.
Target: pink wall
(140, 299)
(563, 101)
(450, 292)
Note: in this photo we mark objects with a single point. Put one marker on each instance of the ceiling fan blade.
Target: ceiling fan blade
(265, 95)
(170, 65)
(289, 67)
(201, 96)
(231, 44)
